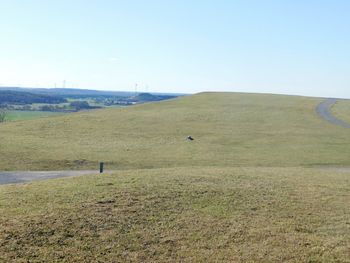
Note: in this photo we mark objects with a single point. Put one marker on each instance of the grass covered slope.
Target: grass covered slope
(192, 203)
(230, 129)
(179, 214)
(341, 110)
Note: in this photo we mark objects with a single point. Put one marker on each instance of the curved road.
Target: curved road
(324, 110)
(24, 176)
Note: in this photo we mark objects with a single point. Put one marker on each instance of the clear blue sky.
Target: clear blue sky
(273, 46)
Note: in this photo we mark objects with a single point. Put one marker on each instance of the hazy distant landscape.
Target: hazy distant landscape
(27, 103)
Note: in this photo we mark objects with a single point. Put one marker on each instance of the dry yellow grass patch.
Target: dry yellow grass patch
(180, 214)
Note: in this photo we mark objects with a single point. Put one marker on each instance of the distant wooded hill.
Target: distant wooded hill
(20, 97)
(145, 97)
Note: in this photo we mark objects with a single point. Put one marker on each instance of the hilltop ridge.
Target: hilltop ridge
(230, 129)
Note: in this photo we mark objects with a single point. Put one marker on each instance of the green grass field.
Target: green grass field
(260, 183)
(229, 130)
(342, 110)
(28, 115)
(202, 214)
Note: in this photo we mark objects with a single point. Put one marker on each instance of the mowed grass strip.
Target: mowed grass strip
(230, 129)
(179, 214)
(16, 115)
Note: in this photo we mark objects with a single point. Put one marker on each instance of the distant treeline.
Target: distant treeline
(71, 93)
(19, 97)
(148, 97)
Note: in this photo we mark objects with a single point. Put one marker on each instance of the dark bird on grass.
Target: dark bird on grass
(189, 138)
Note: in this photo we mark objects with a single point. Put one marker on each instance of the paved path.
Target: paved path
(24, 176)
(324, 110)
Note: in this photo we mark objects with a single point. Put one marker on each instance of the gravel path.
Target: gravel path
(25, 176)
(324, 110)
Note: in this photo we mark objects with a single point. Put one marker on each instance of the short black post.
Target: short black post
(101, 167)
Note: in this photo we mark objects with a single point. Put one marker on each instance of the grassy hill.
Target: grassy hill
(251, 187)
(179, 215)
(341, 110)
(229, 129)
